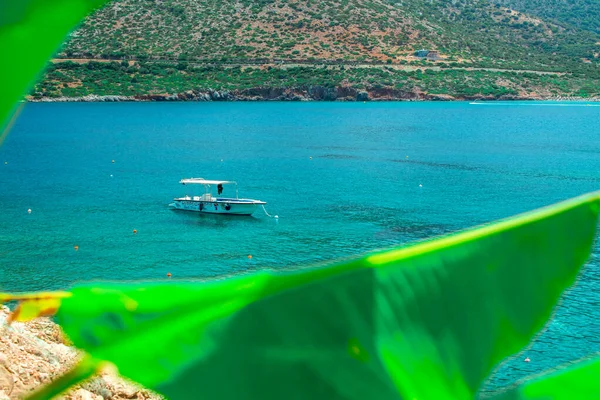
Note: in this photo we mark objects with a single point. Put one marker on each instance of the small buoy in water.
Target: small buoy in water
(169, 274)
(111, 175)
(527, 359)
(5, 162)
(249, 256)
(420, 185)
(113, 161)
(407, 157)
(276, 217)
(76, 247)
(221, 160)
(134, 231)
(29, 211)
(310, 157)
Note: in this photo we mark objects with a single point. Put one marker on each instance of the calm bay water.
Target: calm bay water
(381, 174)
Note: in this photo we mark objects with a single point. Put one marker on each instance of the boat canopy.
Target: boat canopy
(201, 181)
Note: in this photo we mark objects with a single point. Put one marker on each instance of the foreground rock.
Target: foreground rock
(34, 353)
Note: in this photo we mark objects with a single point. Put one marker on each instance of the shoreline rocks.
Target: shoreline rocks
(310, 93)
(34, 353)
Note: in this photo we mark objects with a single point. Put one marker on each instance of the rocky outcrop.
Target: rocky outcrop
(308, 93)
(88, 98)
(34, 353)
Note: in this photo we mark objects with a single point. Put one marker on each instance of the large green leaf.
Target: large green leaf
(429, 321)
(579, 381)
(30, 32)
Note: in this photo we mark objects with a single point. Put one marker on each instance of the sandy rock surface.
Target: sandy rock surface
(34, 353)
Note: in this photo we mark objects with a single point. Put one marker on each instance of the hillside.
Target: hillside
(342, 30)
(175, 41)
(584, 14)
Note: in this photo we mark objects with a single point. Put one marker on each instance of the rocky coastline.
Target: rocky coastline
(34, 353)
(312, 93)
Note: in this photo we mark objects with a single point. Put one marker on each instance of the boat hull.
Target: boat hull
(220, 206)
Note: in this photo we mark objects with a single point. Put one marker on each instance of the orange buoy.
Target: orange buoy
(134, 231)
(169, 274)
(76, 247)
(249, 256)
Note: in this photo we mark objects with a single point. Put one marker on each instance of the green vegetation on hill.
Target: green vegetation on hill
(183, 42)
(498, 36)
(339, 30)
(584, 14)
(109, 78)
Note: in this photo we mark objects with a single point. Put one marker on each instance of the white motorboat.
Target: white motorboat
(208, 203)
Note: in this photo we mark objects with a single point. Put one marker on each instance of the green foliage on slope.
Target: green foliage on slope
(146, 78)
(200, 34)
(584, 14)
(335, 30)
(482, 30)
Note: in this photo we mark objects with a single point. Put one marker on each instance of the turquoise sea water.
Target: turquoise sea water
(344, 179)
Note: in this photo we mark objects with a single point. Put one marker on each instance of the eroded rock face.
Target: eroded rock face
(304, 93)
(36, 352)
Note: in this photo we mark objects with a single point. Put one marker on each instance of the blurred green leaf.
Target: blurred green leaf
(429, 321)
(579, 381)
(30, 32)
